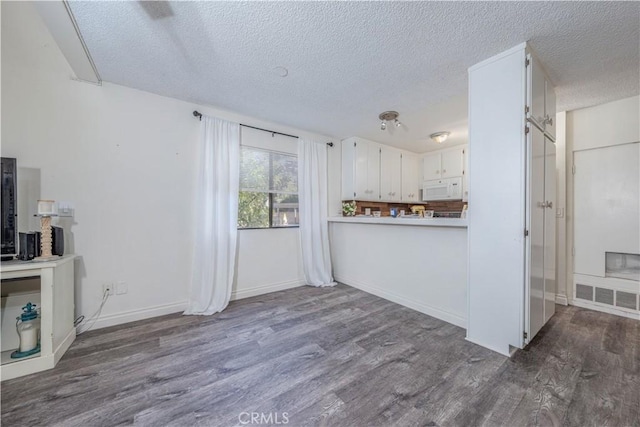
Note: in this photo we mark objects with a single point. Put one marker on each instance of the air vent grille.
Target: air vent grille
(626, 300)
(584, 292)
(604, 296)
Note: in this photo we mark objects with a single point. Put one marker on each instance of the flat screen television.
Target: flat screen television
(9, 208)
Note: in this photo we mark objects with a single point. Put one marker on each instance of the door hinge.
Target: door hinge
(526, 62)
(573, 169)
(354, 194)
(526, 233)
(525, 335)
(354, 143)
(526, 109)
(526, 130)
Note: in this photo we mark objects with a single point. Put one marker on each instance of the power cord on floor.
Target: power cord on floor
(81, 320)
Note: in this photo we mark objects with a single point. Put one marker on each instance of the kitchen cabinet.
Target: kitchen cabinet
(390, 174)
(511, 225)
(541, 98)
(447, 163)
(360, 169)
(410, 178)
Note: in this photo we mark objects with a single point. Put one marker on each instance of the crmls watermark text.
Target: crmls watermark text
(263, 418)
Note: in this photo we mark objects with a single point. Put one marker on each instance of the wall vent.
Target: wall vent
(626, 300)
(584, 292)
(604, 296)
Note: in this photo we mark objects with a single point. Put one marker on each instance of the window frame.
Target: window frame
(269, 193)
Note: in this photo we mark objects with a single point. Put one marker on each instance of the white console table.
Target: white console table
(56, 313)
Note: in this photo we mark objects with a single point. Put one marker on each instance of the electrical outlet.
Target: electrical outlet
(121, 288)
(107, 288)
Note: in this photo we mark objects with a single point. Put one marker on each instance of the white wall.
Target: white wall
(127, 161)
(605, 125)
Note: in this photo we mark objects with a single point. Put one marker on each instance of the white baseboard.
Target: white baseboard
(606, 309)
(422, 308)
(265, 289)
(562, 299)
(132, 316)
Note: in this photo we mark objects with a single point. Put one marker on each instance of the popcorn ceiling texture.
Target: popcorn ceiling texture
(349, 61)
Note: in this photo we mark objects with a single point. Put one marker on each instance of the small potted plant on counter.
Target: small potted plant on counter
(349, 208)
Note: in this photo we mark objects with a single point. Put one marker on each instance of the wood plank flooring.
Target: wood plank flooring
(334, 357)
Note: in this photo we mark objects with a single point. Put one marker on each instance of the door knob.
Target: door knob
(549, 205)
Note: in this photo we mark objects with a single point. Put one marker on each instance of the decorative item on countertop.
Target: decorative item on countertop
(393, 212)
(465, 210)
(349, 208)
(428, 214)
(46, 210)
(418, 210)
(28, 327)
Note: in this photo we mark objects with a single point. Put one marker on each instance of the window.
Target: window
(268, 189)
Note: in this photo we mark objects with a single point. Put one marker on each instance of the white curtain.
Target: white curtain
(312, 194)
(216, 217)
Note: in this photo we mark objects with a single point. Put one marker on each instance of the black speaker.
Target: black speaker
(28, 249)
(57, 246)
(57, 241)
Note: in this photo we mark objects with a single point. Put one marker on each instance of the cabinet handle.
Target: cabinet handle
(549, 205)
(444, 171)
(438, 171)
(548, 120)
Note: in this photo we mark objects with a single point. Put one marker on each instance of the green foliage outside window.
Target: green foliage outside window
(268, 189)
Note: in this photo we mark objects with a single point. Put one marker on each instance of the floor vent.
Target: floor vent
(584, 292)
(604, 296)
(626, 300)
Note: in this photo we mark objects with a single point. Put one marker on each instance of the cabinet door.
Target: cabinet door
(550, 109)
(431, 166)
(373, 172)
(410, 181)
(361, 164)
(390, 175)
(535, 92)
(452, 163)
(549, 229)
(536, 210)
(348, 169)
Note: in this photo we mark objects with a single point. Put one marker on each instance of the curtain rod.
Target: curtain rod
(199, 116)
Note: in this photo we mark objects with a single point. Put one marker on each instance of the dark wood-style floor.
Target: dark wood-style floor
(338, 357)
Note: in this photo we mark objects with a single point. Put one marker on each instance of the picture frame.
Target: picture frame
(428, 214)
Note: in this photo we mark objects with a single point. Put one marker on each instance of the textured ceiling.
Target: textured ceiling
(349, 61)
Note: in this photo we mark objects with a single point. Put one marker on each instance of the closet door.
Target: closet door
(549, 229)
(536, 209)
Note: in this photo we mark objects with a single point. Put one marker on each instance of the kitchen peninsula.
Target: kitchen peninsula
(416, 262)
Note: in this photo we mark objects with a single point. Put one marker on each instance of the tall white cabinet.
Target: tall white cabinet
(511, 227)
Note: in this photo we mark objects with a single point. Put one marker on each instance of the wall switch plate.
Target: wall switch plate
(122, 288)
(65, 209)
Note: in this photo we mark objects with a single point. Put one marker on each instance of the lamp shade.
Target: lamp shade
(46, 207)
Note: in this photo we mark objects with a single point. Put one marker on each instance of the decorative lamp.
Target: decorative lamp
(46, 210)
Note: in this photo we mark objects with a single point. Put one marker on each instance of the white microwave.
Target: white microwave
(442, 189)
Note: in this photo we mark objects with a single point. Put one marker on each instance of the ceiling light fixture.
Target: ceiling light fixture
(388, 116)
(440, 137)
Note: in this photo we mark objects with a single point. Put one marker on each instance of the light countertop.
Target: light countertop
(387, 220)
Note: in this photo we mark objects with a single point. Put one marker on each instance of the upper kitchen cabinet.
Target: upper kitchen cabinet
(447, 163)
(410, 178)
(541, 98)
(390, 174)
(360, 169)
